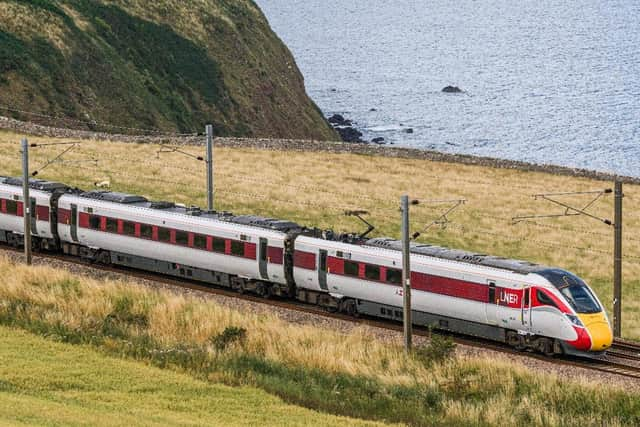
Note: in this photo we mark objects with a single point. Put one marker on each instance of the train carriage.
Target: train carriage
(172, 239)
(43, 195)
(496, 298)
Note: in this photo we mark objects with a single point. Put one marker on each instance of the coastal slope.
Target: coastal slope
(170, 65)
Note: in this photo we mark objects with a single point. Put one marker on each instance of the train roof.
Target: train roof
(143, 202)
(35, 184)
(514, 265)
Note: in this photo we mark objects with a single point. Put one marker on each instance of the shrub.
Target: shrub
(231, 335)
(439, 349)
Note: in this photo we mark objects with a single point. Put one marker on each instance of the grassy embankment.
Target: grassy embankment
(314, 188)
(347, 374)
(48, 383)
(173, 65)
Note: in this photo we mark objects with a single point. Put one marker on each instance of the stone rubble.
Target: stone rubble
(313, 146)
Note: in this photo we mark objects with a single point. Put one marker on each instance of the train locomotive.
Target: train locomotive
(526, 305)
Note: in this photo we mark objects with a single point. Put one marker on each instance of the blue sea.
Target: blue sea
(544, 81)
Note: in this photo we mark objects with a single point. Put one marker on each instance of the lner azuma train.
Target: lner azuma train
(526, 305)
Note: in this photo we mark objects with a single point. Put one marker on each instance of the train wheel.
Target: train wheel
(516, 341)
(349, 307)
(546, 347)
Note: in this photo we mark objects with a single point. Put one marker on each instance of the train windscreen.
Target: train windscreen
(574, 290)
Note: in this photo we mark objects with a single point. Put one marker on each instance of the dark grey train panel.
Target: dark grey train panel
(170, 268)
(35, 184)
(517, 266)
(433, 320)
(114, 197)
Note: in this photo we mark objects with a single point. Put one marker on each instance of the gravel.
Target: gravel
(296, 317)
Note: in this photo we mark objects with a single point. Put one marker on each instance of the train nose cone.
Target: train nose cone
(599, 329)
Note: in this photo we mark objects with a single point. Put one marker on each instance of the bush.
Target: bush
(229, 336)
(439, 349)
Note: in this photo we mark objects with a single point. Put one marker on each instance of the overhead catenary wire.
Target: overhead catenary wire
(451, 225)
(424, 201)
(158, 132)
(473, 213)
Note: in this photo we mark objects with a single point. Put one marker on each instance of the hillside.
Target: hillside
(168, 64)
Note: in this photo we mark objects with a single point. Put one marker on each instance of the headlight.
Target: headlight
(574, 320)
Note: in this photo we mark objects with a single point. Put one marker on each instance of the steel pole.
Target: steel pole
(617, 262)
(406, 274)
(209, 131)
(26, 206)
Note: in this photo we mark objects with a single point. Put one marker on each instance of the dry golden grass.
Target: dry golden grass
(476, 390)
(315, 188)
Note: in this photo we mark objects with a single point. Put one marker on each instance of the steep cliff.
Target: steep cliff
(169, 64)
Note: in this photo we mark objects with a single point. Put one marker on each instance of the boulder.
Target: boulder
(378, 140)
(452, 89)
(336, 119)
(349, 134)
(408, 130)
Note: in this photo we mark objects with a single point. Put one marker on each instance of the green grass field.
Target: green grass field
(47, 383)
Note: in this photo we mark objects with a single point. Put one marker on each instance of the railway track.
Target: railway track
(622, 359)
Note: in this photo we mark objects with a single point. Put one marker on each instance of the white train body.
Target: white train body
(524, 304)
(119, 228)
(491, 300)
(12, 206)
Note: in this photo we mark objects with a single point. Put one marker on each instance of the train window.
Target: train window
(164, 235)
(351, 268)
(394, 276)
(218, 245)
(372, 272)
(146, 231)
(544, 298)
(112, 225)
(199, 241)
(42, 213)
(182, 238)
(237, 248)
(94, 222)
(128, 228)
(526, 297)
(12, 207)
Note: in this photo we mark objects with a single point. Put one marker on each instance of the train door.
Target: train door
(74, 223)
(322, 270)
(492, 305)
(34, 216)
(263, 259)
(526, 309)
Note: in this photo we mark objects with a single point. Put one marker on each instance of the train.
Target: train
(525, 305)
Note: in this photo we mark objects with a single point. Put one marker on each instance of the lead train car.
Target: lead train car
(517, 302)
(243, 252)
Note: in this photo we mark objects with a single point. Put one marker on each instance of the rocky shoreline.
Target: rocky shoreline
(316, 146)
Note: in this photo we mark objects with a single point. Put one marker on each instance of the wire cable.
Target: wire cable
(94, 123)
